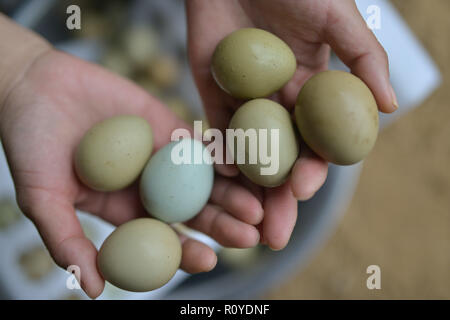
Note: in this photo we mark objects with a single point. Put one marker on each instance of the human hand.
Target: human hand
(43, 118)
(310, 28)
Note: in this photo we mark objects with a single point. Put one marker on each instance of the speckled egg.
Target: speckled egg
(177, 181)
(113, 153)
(337, 116)
(264, 114)
(140, 255)
(252, 63)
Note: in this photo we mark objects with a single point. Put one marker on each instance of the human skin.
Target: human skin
(49, 99)
(310, 28)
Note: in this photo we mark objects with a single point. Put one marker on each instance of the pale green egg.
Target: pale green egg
(337, 116)
(177, 181)
(252, 63)
(265, 116)
(113, 152)
(140, 255)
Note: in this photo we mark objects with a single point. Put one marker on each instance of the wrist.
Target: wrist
(19, 48)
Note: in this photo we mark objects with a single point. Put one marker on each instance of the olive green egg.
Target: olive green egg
(140, 255)
(252, 63)
(113, 153)
(337, 116)
(272, 164)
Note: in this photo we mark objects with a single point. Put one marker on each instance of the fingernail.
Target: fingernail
(212, 264)
(275, 249)
(303, 197)
(394, 99)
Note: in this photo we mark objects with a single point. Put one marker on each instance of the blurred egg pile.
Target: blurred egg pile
(36, 263)
(134, 47)
(136, 53)
(9, 213)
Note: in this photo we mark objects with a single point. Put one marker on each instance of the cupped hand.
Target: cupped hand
(310, 28)
(43, 119)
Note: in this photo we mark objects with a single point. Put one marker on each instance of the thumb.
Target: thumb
(356, 45)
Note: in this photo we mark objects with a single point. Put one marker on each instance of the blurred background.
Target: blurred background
(399, 217)
(393, 211)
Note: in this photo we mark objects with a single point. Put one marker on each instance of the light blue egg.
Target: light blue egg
(177, 181)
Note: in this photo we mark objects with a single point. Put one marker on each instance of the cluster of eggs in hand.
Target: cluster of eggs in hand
(335, 113)
(143, 254)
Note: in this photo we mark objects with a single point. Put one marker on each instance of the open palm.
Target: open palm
(43, 119)
(310, 28)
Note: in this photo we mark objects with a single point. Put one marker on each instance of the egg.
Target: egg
(113, 153)
(238, 258)
(117, 62)
(252, 63)
(140, 255)
(36, 263)
(265, 114)
(177, 181)
(149, 86)
(141, 44)
(95, 26)
(9, 213)
(164, 71)
(337, 117)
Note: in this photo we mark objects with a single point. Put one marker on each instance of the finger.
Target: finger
(226, 170)
(227, 16)
(237, 200)
(217, 104)
(356, 45)
(256, 190)
(115, 207)
(80, 251)
(280, 215)
(308, 174)
(61, 232)
(196, 256)
(221, 160)
(225, 229)
(321, 53)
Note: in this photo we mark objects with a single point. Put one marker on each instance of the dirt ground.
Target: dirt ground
(399, 218)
